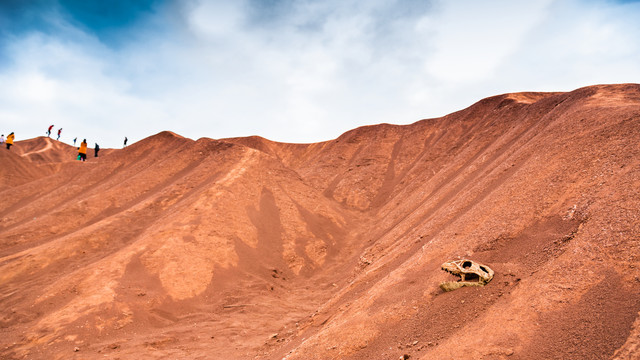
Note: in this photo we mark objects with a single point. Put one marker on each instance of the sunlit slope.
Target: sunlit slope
(545, 192)
(187, 212)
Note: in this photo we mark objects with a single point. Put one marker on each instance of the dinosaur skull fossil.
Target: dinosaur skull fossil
(470, 273)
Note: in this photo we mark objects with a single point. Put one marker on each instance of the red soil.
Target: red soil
(251, 249)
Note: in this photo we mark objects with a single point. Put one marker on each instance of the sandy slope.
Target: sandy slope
(246, 248)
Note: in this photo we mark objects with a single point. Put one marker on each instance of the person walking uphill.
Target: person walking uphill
(49, 130)
(10, 140)
(59, 132)
(95, 150)
(82, 150)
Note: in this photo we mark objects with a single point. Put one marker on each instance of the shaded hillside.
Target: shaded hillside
(246, 248)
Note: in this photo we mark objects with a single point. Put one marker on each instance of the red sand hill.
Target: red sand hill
(45, 150)
(251, 249)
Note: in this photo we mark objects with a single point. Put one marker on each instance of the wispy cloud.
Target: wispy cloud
(295, 70)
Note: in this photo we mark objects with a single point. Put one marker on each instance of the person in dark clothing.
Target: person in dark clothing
(125, 141)
(95, 150)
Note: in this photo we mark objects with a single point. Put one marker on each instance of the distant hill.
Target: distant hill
(45, 150)
(247, 248)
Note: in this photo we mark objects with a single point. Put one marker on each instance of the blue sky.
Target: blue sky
(292, 70)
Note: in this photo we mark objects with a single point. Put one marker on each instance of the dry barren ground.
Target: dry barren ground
(251, 249)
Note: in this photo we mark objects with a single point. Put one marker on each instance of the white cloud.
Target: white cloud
(472, 38)
(215, 19)
(310, 71)
(577, 46)
(55, 82)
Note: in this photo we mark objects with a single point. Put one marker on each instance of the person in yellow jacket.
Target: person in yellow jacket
(82, 150)
(10, 140)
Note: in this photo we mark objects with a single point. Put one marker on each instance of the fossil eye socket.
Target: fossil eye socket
(466, 264)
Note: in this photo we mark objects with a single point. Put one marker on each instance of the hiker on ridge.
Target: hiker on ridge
(59, 132)
(49, 130)
(125, 141)
(1, 139)
(74, 141)
(10, 140)
(82, 150)
(95, 150)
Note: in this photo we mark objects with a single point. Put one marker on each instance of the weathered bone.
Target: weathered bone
(470, 273)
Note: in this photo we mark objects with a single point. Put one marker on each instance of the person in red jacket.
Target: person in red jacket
(49, 130)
